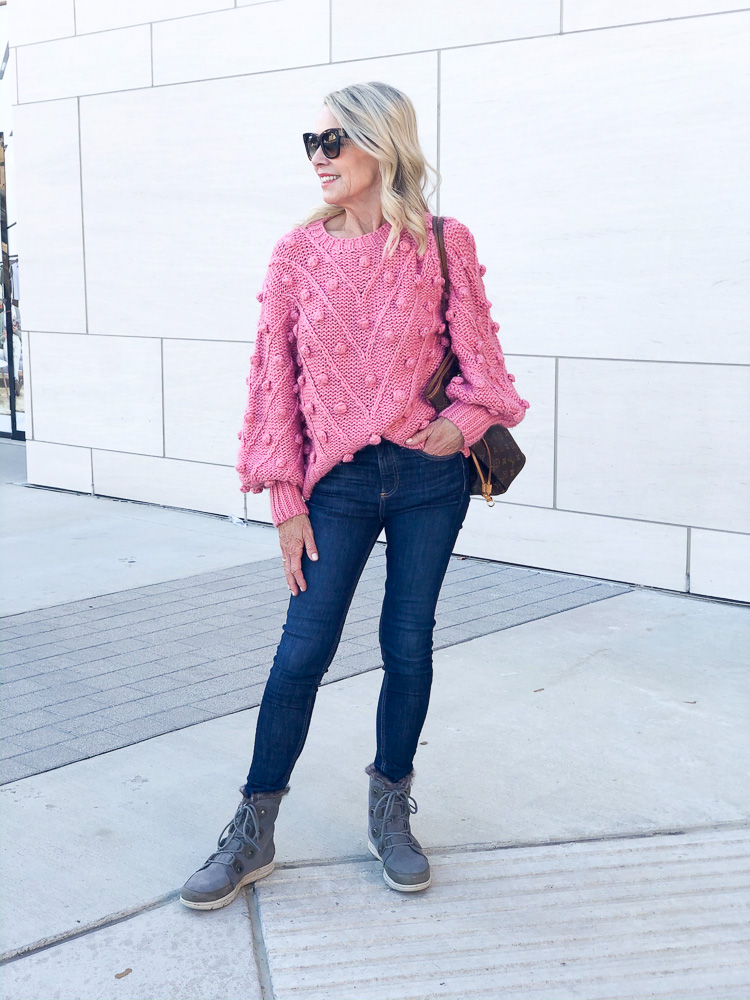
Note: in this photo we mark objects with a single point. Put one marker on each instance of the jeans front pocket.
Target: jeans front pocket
(436, 458)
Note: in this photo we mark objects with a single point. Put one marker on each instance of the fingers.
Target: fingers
(309, 537)
(296, 569)
(290, 580)
(295, 539)
(417, 437)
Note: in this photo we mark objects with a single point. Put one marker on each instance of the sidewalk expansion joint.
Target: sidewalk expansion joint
(262, 964)
(85, 929)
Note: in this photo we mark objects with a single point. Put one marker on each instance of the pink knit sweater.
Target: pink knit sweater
(346, 343)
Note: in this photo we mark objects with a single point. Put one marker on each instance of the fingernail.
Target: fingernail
(409, 440)
(314, 555)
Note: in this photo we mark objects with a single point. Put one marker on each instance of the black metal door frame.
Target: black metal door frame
(14, 433)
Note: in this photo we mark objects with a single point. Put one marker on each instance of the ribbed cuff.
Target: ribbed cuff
(286, 501)
(470, 418)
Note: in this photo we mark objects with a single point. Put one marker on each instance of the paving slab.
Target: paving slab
(620, 717)
(663, 916)
(167, 952)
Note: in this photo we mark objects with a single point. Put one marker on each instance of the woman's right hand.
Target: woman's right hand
(296, 535)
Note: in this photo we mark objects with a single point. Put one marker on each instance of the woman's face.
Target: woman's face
(357, 173)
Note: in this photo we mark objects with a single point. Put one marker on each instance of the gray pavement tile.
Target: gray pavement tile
(139, 708)
(183, 633)
(50, 665)
(8, 632)
(9, 645)
(28, 685)
(234, 701)
(353, 664)
(230, 662)
(349, 645)
(101, 741)
(114, 661)
(119, 695)
(161, 722)
(48, 758)
(31, 655)
(55, 695)
(236, 640)
(34, 739)
(166, 682)
(12, 746)
(82, 725)
(82, 707)
(27, 722)
(18, 673)
(13, 769)
(143, 671)
(365, 626)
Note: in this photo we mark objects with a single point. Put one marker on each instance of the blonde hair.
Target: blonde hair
(381, 120)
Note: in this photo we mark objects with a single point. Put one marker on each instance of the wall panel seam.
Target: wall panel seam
(83, 223)
(555, 434)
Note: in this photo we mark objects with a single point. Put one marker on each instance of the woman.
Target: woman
(339, 431)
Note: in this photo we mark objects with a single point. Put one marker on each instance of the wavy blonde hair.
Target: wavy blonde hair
(381, 120)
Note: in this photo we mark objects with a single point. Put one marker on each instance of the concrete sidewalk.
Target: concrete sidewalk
(582, 795)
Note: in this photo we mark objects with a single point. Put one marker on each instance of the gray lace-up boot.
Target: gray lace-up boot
(244, 854)
(390, 839)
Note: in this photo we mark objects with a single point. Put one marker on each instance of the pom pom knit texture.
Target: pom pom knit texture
(346, 344)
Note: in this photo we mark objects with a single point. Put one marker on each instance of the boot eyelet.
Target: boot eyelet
(376, 833)
(263, 812)
(372, 812)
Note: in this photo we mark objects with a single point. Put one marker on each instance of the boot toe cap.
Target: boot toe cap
(207, 885)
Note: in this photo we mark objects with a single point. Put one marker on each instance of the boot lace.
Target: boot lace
(394, 809)
(243, 828)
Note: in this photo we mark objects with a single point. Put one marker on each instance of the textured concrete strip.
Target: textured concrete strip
(166, 655)
(165, 952)
(664, 916)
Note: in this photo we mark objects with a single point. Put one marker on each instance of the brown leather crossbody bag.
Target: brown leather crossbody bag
(497, 459)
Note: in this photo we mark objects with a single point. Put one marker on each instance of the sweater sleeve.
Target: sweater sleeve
(483, 394)
(271, 440)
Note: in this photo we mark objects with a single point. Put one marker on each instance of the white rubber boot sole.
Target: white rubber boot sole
(397, 885)
(216, 904)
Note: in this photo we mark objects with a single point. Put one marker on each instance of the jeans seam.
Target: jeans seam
(302, 740)
(383, 758)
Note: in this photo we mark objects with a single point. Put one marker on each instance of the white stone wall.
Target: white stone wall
(599, 150)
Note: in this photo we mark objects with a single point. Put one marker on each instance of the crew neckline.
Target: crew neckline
(351, 241)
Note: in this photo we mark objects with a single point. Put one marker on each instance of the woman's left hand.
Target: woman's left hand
(440, 437)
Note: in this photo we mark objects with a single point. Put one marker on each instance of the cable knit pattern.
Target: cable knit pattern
(346, 344)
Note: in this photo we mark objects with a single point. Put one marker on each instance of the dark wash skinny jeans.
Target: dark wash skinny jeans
(421, 500)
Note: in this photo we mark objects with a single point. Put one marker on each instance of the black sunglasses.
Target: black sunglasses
(330, 140)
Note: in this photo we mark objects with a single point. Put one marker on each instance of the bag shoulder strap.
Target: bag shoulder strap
(437, 229)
